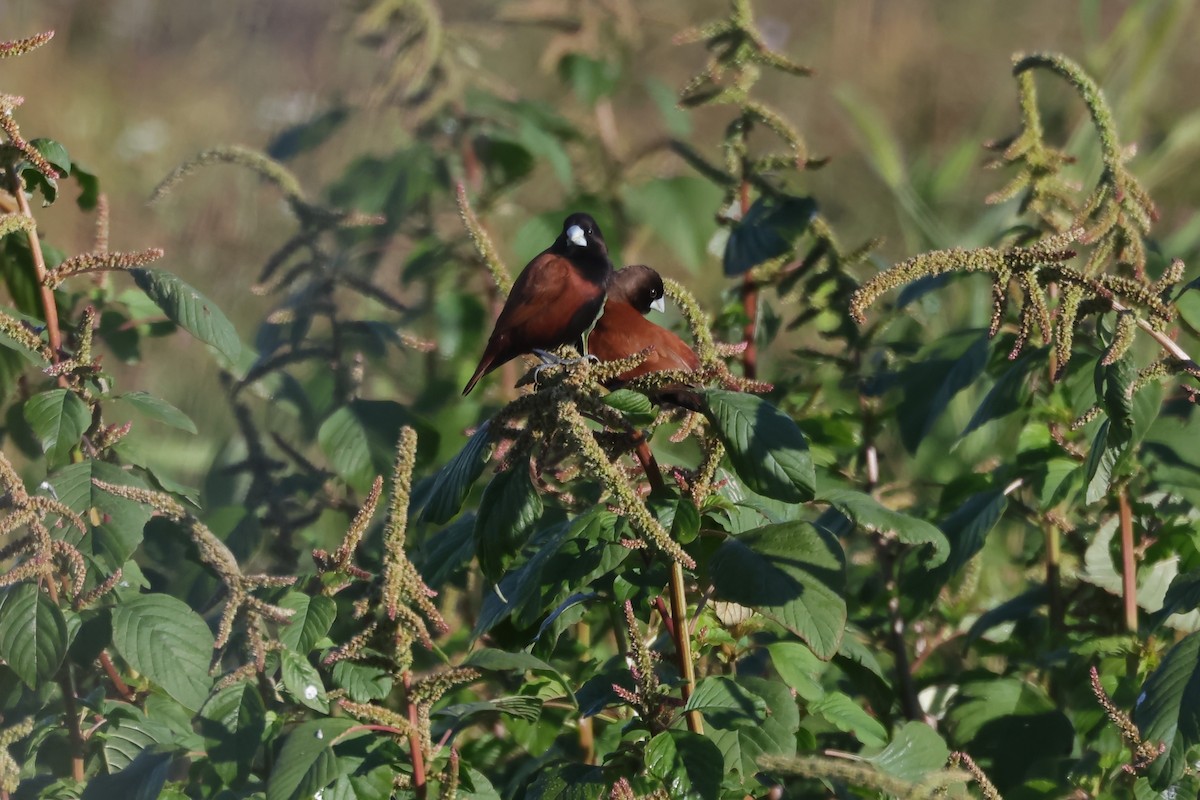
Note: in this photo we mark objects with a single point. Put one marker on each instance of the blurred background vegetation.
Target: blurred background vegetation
(905, 93)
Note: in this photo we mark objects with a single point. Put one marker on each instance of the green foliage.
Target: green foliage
(887, 572)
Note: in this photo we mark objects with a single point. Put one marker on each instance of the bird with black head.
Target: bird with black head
(555, 300)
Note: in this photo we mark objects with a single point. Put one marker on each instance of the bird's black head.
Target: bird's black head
(582, 242)
(639, 286)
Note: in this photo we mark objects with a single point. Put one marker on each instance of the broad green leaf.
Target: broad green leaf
(1011, 723)
(1182, 596)
(57, 155)
(33, 634)
(769, 230)
(516, 706)
(190, 310)
(1168, 710)
(799, 668)
(634, 405)
(307, 134)
(306, 763)
(121, 520)
(677, 514)
(590, 78)
(677, 211)
(363, 682)
(303, 682)
(766, 724)
(31, 356)
(233, 722)
(500, 661)
(141, 780)
(162, 638)
(159, 410)
(454, 481)
(689, 765)
(943, 370)
(794, 573)
(312, 620)
(868, 513)
(508, 514)
(567, 781)
(58, 418)
(1009, 393)
(966, 529)
(846, 715)
(359, 439)
(127, 735)
(725, 703)
(915, 751)
(766, 448)
(1108, 451)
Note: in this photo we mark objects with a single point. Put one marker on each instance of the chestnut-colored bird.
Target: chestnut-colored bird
(555, 300)
(623, 330)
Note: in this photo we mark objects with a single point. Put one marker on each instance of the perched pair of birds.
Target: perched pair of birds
(570, 292)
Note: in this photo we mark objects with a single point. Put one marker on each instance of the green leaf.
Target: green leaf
(1008, 394)
(1011, 723)
(158, 410)
(634, 405)
(726, 703)
(945, 368)
(1109, 448)
(500, 661)
(689, 765)
(359, 439)
(363, 682)
(142, 780)
(130, 733)
(453, 482)
(590, 78)
(167, 642)
(58, 418)
(306, 763)
(769, 230)
(508, 514)
(233, 722)
(867, 513)
(845, 714)
(765, 722)
(966, 530)
(1168, 710)
(122, 520)
(766, 448)
(794, 573)
(31, 356)
(915, 751)
(567, 781)
(1182, 596)
(799, 668)
(303, 682)
(516, 706)
(677, 212)
(677, 514)
(58, 157)
(310, 623)
(33, 634)
(190, 310)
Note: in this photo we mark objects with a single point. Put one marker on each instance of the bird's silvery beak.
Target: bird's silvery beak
(575, 234)
(660, 304)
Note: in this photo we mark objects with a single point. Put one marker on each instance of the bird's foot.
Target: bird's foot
(551, 360)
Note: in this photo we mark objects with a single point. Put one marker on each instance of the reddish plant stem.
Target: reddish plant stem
(49, 309)
(414, 741)
(679, 629)
(749, 304)
(122, 688)
(1128, 562)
